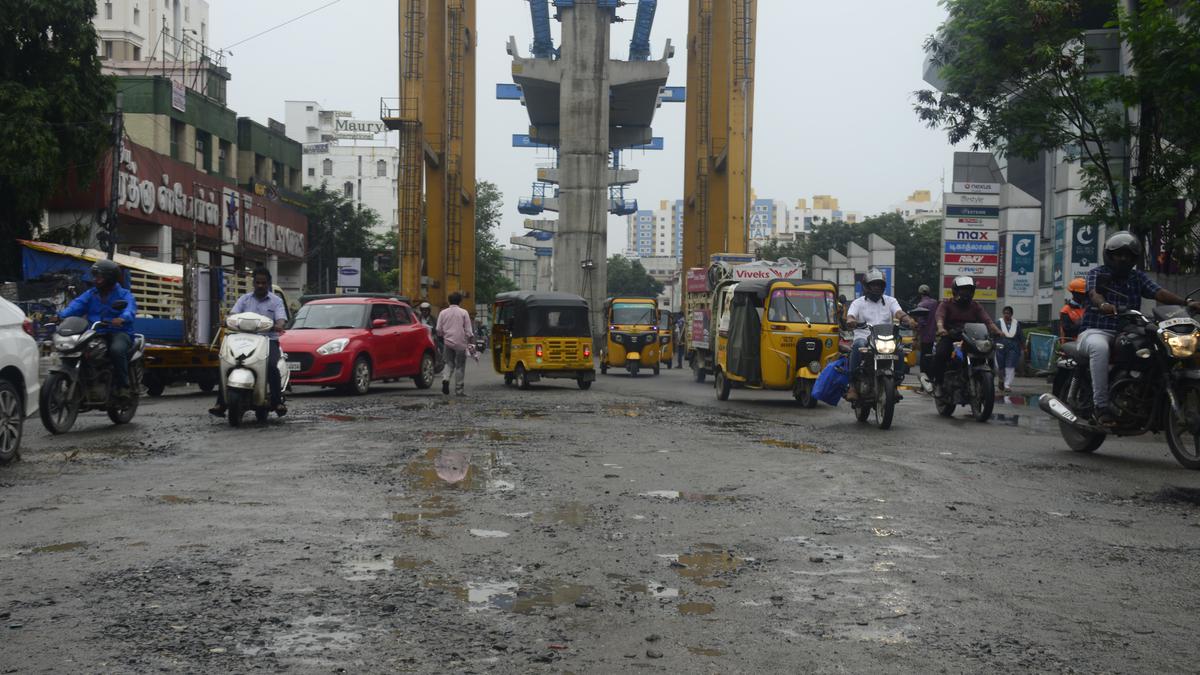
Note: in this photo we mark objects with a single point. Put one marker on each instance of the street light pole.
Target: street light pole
(110, 223)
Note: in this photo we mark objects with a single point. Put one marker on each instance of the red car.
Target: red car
(348, 342)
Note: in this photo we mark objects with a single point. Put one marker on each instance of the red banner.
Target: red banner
(972, 259)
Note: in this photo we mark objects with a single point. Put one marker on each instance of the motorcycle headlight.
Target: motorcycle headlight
(1181, 346)
(885, 346)
(66, 343)
(983, 346)
(335, 346)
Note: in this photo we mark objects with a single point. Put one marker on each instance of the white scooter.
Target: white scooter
(244, 366)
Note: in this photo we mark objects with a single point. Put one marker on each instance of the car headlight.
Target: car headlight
(335, 346)
(1182, 346)
(618, 338)
(885, 346)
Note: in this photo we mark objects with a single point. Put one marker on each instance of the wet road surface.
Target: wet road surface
(639, 524)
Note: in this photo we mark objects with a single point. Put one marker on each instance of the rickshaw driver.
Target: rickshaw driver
(872, 309)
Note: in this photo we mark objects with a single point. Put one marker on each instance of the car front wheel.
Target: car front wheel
(424, 378)
(12, 421)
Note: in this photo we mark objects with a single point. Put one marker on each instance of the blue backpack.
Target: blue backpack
(833, 381)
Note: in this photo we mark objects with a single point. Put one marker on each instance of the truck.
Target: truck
(707, 295)
(179, 308)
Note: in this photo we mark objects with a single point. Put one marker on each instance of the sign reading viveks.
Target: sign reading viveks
(345, 127)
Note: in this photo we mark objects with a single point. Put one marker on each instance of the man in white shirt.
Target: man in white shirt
(872, 309)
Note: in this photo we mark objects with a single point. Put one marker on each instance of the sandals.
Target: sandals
(217, 411)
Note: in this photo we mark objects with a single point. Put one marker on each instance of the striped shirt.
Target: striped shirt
(1125, 294)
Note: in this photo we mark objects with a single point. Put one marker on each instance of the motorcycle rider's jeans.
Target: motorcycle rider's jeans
(1097, 344)
(855, 355)
(119, 345)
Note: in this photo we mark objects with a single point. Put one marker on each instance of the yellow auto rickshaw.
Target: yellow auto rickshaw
(542, 335)
(666, 338)
(778, 335)
(631, 336)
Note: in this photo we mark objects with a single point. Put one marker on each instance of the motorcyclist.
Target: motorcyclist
(96, 303)
(953, 314)
(871, 309)
(425, 310)
(265, 303)
(1071, 315)
(1116, 286)
(926, 326)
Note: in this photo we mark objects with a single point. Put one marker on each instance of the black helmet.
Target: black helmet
(107, 270)
(1123, 242)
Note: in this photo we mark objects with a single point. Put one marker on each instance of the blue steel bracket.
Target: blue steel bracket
(655, 143)
(667, 95)
(512, 92)
(524, 141)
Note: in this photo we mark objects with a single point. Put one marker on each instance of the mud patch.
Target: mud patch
(435, 506)
(575, 514)
(794, 445)
(709, 566)
(1173, 495)
(696, 608)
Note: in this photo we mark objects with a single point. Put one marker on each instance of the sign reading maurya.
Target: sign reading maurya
(344, 127)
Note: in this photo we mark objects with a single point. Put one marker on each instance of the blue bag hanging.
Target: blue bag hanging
(833, 381)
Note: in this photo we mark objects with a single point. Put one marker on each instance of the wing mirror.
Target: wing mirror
(379, 323)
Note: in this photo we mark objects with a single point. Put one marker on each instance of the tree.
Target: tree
(337, 228)
(917, 246)
(1020, 79)
(489, 256)
(54, 105)
(628, 277)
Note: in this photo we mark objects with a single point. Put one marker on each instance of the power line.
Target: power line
(292, 20)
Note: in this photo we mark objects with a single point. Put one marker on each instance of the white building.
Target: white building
(655, 233)
(919, 207)
(349, 155)
(160, 30)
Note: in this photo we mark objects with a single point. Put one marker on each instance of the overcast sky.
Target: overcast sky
(833, 91)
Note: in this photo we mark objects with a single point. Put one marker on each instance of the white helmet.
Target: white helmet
(425, 305)
(962, 282)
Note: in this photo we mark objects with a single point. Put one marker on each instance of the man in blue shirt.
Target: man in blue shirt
(1115, 287)
(96, 303)
(265, 303)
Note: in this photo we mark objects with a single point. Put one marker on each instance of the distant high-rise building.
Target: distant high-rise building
(136, 30)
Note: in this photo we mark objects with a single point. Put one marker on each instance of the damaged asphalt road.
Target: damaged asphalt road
(639, 524)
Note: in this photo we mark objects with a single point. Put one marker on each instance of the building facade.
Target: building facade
(158, 30)
(347, 155)
(919, 207)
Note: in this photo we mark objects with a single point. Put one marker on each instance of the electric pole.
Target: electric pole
(108, 237)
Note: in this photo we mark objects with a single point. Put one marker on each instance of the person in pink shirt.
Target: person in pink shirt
(454, 327)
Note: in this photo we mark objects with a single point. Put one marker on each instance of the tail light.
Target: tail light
(587, 351)
(27, 326)
(539, 351)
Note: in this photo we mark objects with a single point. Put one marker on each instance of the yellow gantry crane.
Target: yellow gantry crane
(720, 128)
(435, 115)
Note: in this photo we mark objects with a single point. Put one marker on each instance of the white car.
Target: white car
(19, 381)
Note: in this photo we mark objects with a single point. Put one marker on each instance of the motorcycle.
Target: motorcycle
(877, 377)
(1153, 385)
(244, 352)
(83, 378)
(970, 377)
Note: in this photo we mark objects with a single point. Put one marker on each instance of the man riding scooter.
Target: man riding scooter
(953, 314)
(96, 303)
(1114, 287)
(263, 302)
(872, 309)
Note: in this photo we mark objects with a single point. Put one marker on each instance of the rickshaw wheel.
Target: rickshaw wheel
(522, 377)
(722, 385)
(508, 379)
(656, 370)
(584, 384)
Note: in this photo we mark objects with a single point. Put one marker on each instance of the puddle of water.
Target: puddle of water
(351, 418)
(176, 499)
(793, 445)
(706, 651)
(704, 566)
(61, 548)
(435, 506)
(651, 588)
(622, 411)
(403, 563)
(309, 636)
(883, 532)
(696, 608)
(520, 414)
(676, 495)
(489, 534)
(508, 596)
(572, 513)
(449, 470)
(366, 570)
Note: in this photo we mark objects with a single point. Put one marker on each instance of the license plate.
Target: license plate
(886, 357)
(293, 365)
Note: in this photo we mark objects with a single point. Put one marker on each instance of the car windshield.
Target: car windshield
(794, 305)
(317, 315)
(558, 322)
(634, 313)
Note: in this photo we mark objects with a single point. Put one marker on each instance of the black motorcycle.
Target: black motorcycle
(878, 375)
(970, 377)
(83, 379)
(1153, 385)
